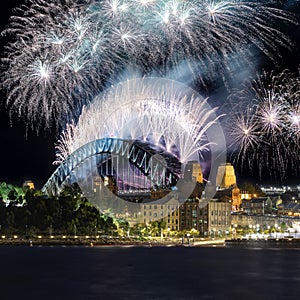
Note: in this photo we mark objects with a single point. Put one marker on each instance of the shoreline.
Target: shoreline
(109, 241)
(134, 242)
(268, 243)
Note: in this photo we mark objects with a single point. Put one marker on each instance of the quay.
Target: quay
(264, 243)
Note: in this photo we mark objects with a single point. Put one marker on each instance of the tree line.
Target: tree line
(25, 211)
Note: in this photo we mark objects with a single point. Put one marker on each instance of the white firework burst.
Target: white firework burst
(83, 43)
(159, 111)
(264, 129)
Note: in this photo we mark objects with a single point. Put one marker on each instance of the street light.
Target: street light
(234, 226)
(50, 230)
(276, 227)
(257, 228)
(188, 238)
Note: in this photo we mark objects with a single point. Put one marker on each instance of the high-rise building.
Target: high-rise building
(225, 176)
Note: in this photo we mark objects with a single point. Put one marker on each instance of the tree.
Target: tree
(251, 189)
(283, 227)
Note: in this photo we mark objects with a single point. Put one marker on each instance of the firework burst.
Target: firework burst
(264, 127)
(62, 52)
(159, 111)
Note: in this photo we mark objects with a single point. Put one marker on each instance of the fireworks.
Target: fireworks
(160, 111)
(61, 53)
(264, 127)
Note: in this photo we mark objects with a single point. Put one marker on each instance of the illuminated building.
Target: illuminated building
(219, 217)
(29, 184)
(210, 219)
(289, 209)
(261, 205)
(193, 172)
(190, 215)
(236, 198)
(225, 176)
(245, 195)
(167, 210)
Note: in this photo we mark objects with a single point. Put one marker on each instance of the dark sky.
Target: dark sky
(26, 155)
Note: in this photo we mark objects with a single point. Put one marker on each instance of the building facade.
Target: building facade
(210, 218)
(289, 209)
(236, 198)
(225, 176)
(29, 184)
(219, 218)
(261, 205)
(193, 172)
(166, 210)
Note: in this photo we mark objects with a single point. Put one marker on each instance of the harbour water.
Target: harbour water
(110, 272)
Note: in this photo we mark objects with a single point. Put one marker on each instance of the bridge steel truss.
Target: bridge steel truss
(161, 168)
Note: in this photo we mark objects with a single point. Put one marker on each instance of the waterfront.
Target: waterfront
(115, 272)
(107, 240)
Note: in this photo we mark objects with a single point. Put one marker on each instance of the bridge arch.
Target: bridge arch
(160, 167)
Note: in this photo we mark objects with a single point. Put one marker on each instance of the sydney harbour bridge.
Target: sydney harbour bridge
(133, 144)
(130, 167)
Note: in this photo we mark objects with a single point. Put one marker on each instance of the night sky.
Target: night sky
(26, 155)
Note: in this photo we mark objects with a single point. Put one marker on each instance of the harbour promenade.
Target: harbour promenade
(108, 240)
(293, 243)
